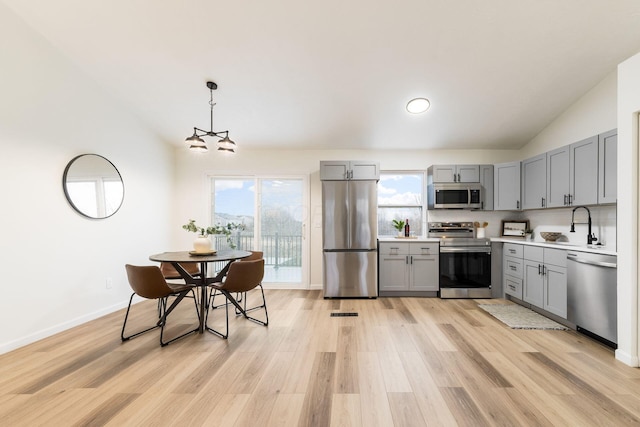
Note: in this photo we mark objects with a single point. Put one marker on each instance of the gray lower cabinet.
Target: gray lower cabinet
(545, 279)
(512, 269)
(408, 267)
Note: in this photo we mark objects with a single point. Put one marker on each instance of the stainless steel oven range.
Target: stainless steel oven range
(465, 261)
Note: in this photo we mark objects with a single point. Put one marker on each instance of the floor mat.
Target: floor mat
(517, 317)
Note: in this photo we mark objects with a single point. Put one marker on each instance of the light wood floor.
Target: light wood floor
(400, 362)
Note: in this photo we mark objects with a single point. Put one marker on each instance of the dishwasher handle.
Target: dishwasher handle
(575, 258)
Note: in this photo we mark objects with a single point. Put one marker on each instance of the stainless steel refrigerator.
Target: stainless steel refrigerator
(350, 232)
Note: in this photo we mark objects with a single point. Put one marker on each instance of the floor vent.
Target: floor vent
(344, 314)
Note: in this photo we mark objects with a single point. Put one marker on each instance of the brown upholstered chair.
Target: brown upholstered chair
(254, 255)
(169, 271)
(148, 282)
(239, 297)
(242, 277)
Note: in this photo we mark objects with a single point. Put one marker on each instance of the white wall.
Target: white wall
(54, 261)
(595, 112)
(628, 301)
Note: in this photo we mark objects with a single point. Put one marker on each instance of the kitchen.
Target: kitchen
(453, 259)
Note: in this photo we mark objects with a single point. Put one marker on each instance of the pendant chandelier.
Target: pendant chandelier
(195, 141)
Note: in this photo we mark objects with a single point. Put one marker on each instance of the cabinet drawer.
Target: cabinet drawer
(513, 286)
(513, 250)
(388, 248)
(512, 267)
(534, 253)
(555, 257)
(424, 248)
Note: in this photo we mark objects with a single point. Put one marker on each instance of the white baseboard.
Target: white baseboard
(52, 330)
(628, 359)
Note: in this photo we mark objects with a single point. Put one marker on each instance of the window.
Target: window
(273, 214)
(400, 196)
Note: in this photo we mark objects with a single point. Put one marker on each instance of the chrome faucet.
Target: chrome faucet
(590, 237)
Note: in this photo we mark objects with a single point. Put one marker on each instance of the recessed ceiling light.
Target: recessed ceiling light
(418, 105)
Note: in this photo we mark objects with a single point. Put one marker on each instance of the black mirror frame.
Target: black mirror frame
(68, 196)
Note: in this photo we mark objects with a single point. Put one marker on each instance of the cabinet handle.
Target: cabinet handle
(459, 178)
(513, 288)
(570, 200)
(517, 204)
(539, 269)
(411, 259)
(565, 200)
(543, 202)
(512, 267)
(513, 251)
(544, 270)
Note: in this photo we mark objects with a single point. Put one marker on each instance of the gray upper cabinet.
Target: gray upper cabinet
(608, 166)
(486, 180)
(506, 186)
(534, 182)
(583, 178)
(558, 177)
(455, 173)
(345, 170)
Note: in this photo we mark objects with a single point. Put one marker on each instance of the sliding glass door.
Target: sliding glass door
(274, 218)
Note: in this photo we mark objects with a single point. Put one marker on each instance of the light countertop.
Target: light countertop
(410, 239)
(595, 249)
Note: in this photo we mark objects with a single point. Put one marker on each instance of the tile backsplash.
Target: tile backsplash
(603, 220)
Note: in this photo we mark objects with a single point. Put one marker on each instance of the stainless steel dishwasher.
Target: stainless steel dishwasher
(592, 290)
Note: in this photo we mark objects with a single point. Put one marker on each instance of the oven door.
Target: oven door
(465, 268)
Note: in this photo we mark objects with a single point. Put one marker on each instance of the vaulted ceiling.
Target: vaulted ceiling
(338, 73)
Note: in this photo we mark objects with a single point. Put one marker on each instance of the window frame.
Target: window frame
(423, 195)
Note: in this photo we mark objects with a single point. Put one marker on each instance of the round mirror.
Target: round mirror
(93, 186)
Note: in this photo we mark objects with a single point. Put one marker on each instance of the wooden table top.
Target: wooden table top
(185, 256)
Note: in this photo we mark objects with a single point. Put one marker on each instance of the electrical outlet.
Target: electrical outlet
(109, 282)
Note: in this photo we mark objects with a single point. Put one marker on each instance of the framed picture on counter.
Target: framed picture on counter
(514, 228)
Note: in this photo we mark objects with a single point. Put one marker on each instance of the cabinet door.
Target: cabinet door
(534, 182)
(608, 167)
(555, 290)
(334, 170)
(424, 273)
(468, 173)
(361, 170)
(394, 271)
(486, 180)
(444, 173)
(584, 172)
(558, 177)
(506, 186)
(533, 283)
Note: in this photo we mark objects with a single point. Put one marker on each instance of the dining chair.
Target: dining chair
(239, 297)
(148, 282)
(170, 273)
(243, 276)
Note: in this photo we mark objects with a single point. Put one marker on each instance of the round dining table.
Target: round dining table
(202, 279)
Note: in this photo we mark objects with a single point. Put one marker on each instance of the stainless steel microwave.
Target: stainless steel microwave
(455, 195)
